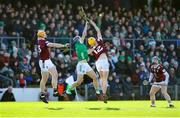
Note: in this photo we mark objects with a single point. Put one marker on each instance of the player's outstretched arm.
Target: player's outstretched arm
(150, 77)
(57, 45)
(96, 28)
(84, 32)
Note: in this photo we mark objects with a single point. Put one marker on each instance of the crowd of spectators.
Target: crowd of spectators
(62, 20)
(133, 38)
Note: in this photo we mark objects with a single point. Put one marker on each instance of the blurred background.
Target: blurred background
(134, 31)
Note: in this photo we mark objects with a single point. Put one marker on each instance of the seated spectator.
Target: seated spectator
(116, 91)
(143, 73)
(2, 32)
(35, 76)
(121, 65)
(116, 40)
(22, 52)
(172, 76)
(21, 81)
(118, 26)
(61, 90)
(25, 66)
(8, 95)
(177, 71)
(6, 70)
(128, 50)
(128, 88)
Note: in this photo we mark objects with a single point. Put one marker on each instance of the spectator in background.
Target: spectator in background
(166, 65)
(116, 91)
(6, 57)
(8, 95)
(142, 51)
(143, 73)
(17, 27)
(131, 70)
(172, 76)
(128, 50)
(34, 73)
(22, 52)
(128, 88)
(121, 66)
(21, 81)
(2, 32)
(25, 66)
(142, 21)
(28, 32)
(114, 56)
(61, 89)
(177, 71)
(116, 40)
(1, 59)
(6, 69)
(119, 24)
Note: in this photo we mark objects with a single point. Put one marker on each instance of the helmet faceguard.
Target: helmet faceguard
(75, 39)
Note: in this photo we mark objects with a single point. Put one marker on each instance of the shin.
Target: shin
(54, 75)
(44, 79)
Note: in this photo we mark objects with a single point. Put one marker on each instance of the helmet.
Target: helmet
(41, 34)
(91, 41)
(155, 59)
(75, 39)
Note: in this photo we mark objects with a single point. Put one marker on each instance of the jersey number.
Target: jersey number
(98, 49)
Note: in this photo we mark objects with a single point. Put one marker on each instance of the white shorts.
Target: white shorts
(46, 65)
(159, 84)
(83, 68)
(102, 65)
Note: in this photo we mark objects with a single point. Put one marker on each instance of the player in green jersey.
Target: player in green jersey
(83, 67)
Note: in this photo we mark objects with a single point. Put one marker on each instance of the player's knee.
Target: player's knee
(94, 79)
(55, 76)
(53, 83)
(104, 80)
(56, 73)
(164, 93)
(151, 93)
(78, 83)
(41, 82)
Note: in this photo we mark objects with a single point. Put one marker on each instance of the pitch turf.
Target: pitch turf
(88, 109)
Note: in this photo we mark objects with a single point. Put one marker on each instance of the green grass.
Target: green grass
(88, 109)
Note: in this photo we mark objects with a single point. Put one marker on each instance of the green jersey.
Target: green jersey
(81, 51)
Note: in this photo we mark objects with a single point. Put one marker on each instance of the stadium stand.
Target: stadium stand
(133, 36)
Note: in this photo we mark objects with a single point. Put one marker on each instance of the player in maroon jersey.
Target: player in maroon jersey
(98, 49)
(160, 78)
(46, 65)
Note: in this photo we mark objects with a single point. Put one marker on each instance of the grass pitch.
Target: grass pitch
(88, 109)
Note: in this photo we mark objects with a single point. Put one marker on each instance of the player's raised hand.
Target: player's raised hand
(66, 49)
(67, 45)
